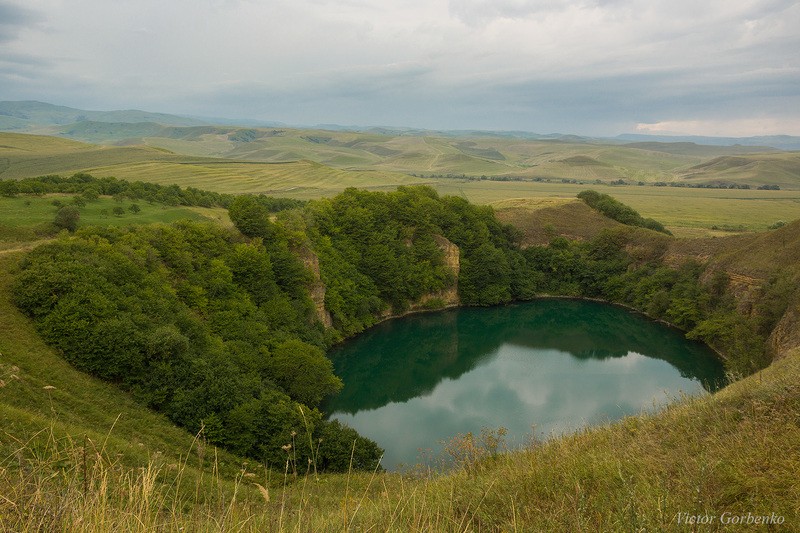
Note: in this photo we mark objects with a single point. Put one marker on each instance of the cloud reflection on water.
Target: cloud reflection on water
(558, 365)
(518, 388)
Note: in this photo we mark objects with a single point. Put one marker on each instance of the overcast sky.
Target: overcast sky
(594, 67)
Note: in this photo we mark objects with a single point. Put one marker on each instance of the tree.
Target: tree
(304, 372)
(251, 217)
(485, 277)
(8, 188)
(91, 194)
(252, 270)
(134, 208)
(67, 218)
(118, 211)
(342, 449)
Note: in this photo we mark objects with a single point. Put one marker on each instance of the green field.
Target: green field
(676, 207)
(297, 179)
(25, 219)
(309, 164)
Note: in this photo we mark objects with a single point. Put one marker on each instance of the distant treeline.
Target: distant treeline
(620, 181)
(220, 328)
(91, 187)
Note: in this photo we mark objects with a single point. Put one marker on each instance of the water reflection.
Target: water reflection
(555, 364)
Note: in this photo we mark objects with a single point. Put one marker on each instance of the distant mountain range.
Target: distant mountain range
(45, 118)
(26, 115)
(781, 142)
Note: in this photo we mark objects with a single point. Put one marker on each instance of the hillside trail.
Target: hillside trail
(26, 247)
(439, 153)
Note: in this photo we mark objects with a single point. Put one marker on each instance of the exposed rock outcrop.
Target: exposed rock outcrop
(445, 298)
(786, 335)
(317, 288)
(452, 261)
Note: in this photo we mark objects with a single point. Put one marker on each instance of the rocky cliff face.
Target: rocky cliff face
(437, 300)
(786, 335)
(441, 299)
(452, 260)
(317, 289)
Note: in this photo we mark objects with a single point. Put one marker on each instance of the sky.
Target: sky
(587, 67)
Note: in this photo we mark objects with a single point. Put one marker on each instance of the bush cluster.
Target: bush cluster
(706, 310)
(616, 210)
(214, 331)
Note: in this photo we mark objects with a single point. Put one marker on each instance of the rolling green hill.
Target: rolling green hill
(29, 156)
(434, 154)
(499, 155)
(782, 169)
(30, 115)
(376, 158)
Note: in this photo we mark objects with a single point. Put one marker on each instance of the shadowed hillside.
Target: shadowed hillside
(542, 221)
(782, 169)
(30, 115)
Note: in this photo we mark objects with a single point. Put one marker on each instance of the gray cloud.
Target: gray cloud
(13, 18)
(579, 66)
(474, 12)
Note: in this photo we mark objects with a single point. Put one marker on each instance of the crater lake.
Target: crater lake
(536, 369)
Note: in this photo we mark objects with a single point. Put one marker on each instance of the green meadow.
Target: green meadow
(28, 218)
(676, 207)
(309, 164)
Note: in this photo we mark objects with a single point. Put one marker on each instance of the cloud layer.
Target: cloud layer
(587, 66)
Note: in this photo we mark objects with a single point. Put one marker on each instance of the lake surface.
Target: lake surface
(536, 368)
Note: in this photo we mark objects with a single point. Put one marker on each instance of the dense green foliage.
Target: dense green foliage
(705, 309)
(614, 209)
(378, 254)
(381, 252)
(196, 323)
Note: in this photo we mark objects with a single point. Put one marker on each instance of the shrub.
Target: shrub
(67, 218)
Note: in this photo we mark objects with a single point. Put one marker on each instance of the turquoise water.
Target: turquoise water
(536, 368)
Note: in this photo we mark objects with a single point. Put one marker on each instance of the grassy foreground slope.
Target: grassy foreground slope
(61, 423)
